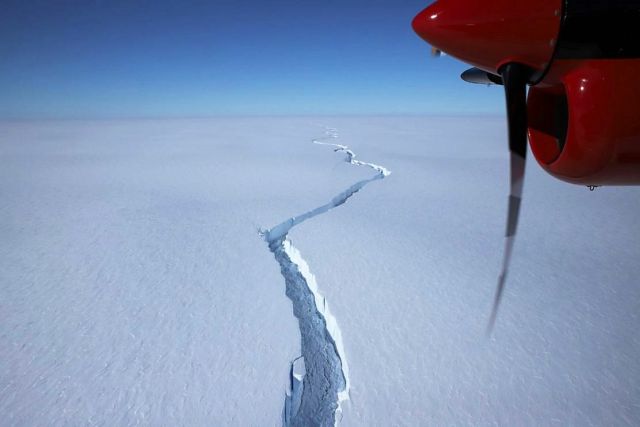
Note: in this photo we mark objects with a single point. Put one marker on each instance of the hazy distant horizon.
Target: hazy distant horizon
(248, 116)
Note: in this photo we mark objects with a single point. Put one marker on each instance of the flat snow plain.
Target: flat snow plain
(136, 289)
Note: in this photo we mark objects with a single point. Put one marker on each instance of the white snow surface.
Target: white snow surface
(135, 288)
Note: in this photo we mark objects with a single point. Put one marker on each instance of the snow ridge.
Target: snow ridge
(319, 378)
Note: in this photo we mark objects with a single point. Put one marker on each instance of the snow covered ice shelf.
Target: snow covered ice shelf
(410, 268)
(134, 287)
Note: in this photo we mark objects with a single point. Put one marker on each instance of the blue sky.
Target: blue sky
(178, 58)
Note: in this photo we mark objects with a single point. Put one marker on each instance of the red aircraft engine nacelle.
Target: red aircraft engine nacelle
(584, 121)
(583, 62)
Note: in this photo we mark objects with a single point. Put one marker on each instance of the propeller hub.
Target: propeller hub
(491, 34)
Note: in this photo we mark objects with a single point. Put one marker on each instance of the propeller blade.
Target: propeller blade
(515, 77)
(478, 76)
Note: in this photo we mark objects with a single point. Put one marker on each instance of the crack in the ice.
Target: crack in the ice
(319, 378)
